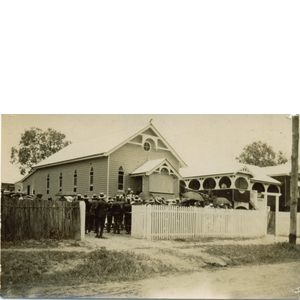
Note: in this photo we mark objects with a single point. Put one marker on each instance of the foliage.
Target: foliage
(24, 269)
(36, 145)
(241, 255)
(261, 154)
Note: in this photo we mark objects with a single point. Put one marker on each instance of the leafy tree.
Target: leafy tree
(261, 154)
(36, 145)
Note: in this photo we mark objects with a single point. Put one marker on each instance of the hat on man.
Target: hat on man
(85, 196)
(102, 196)
(95, 197)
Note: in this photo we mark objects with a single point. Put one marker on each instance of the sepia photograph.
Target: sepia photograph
(149, 206)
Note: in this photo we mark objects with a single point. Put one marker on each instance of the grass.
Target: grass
(240, 255)
(41, 243)
(23, 269)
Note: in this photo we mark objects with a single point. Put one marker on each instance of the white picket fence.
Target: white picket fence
(171, 222)
(282, 220)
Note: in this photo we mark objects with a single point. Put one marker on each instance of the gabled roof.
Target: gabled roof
(148, 166)
(153, 165)
(103, 145)
(257, 173)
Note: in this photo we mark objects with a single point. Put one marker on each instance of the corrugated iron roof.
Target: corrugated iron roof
(103, 145)
(284, 169)
(151, 165)
(148, 166)
(233, 167)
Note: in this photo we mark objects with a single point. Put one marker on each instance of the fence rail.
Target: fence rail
(34, 219)
(171, 222)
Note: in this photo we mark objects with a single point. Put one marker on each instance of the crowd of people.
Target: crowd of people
(116, 211)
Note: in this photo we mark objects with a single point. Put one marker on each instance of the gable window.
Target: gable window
(147, 146)
(91, 179)
(75, 181)
(48, 183)
(120, 179)
(60, 181)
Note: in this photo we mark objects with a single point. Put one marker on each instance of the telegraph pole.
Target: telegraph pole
(294, 180)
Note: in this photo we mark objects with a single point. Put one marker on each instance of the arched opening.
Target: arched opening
(194, 184)
(241, 207)
(182, 186)
(273, 189)
(209, 184)
(164, 171)
(257, 186)
(225, 182)
(241, 183)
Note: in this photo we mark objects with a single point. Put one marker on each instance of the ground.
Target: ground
(193, 280)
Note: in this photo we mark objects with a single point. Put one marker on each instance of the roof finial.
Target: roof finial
(150, 122)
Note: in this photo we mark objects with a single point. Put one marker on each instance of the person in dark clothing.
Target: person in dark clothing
(100, 216)
(92, 211)
(109, 214)
(117, 210)
(127, 211)
(39, 196)
(88, 205)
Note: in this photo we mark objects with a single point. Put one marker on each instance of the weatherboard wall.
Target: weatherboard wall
(38, 180)
(131, 157)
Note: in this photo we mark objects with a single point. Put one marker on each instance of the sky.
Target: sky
(202, 141)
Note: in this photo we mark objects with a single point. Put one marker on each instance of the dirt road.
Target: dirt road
(191, 280)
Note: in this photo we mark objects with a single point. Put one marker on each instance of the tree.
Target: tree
(36, 145)
(261, 154)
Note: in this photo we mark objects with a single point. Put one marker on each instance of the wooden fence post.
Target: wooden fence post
(82, 207)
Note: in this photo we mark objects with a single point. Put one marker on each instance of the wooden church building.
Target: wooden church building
(142, 161)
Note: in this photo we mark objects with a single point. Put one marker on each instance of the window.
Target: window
(75, 181)
(120, 179)
(60, 181)
(48, 183)
(147, 146)
(91, 179)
